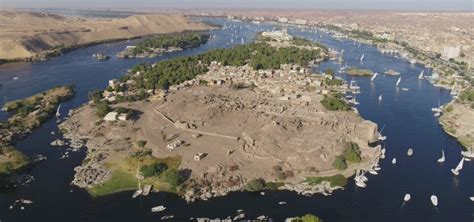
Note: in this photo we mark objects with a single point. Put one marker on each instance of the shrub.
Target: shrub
(140, 143)
(102, 109)
(154, 169)
(340, 163)
(336, 180)
(329, 71)
(172, 176)
(308, 218)
(334, 102)
(255, 185)
(352, 152)
(449, 108)
(95, 96)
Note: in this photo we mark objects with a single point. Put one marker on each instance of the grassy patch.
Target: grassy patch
(336, 180)
(119, 181)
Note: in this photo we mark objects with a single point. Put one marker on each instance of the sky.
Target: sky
(464, 5)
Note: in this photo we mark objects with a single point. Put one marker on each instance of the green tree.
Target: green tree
(255, 185)
(340, 163)
(172, 176)
(102, 109)
(154, 169)
(352, 152)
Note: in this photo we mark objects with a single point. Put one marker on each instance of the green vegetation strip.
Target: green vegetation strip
(182, 41)
(336, 180)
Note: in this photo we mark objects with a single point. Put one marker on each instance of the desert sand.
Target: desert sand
(28, 35)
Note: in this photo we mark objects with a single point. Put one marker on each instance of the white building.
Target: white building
(451, 52)
(112, 116)
(301, 21)
(283, 20)
(278, 35)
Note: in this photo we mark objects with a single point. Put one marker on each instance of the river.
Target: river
(406, 115)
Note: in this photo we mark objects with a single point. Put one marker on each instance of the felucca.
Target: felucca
(458, 167)
(421, 74)
(441, 160)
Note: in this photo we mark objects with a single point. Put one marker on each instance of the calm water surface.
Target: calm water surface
(406, 115)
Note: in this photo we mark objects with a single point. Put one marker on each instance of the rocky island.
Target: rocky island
(26, 114)
(250, 117)
(159, 45)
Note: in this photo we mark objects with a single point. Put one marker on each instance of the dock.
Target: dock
(146, 190)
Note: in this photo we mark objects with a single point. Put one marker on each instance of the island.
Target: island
(26, 114)
(28, 36)
(161, 44)
(359, 72)
(251, 117)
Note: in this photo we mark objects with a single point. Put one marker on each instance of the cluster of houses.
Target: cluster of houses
(114, 116)
(175, 144)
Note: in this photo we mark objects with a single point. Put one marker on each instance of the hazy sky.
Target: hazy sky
(466, 5)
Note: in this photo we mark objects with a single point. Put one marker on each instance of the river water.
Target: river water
(406, 115)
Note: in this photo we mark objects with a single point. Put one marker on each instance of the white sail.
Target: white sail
(434, 200)
(362, 57)
(57, 111)
(441, 160)
(380, 98)
(399, 80)
(421, 74)
(458, 167)
(407, 197)
(373, 76)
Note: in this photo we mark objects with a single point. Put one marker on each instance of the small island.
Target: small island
(202, 125)
(26, 114)
(161, 44)
(359, 72)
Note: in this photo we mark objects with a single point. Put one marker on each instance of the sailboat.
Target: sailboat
(381, 137)
(441, 160)
(362, 57)
(380, 98)
(398, 81)
(421, 74)
(434, 200)
(373, 77)
(57, 111)
(394, 161)
(472, 198)
(242, 40)
(458, 167)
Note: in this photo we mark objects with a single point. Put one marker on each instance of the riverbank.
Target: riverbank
(43, 41)
(457, 118)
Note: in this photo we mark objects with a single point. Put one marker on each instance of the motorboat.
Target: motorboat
(158, 209)
(410, 152)
(407, 197)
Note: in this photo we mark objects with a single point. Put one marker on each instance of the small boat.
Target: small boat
(373, 172)
(282, 203)
(434, 200)
(410, 152)
(472, 198)
(394, 161)
(262, 193)
(441, 159)
(407, 197)
(456, 170)
(57, 111)
(158, 209)
(360, 184)
(373, 76)
(405, 89)
(380, 98)
(15, 78)
(398, 81)
(421, 74)
(137, 193)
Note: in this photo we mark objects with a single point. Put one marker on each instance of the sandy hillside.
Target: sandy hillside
(25, 35)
